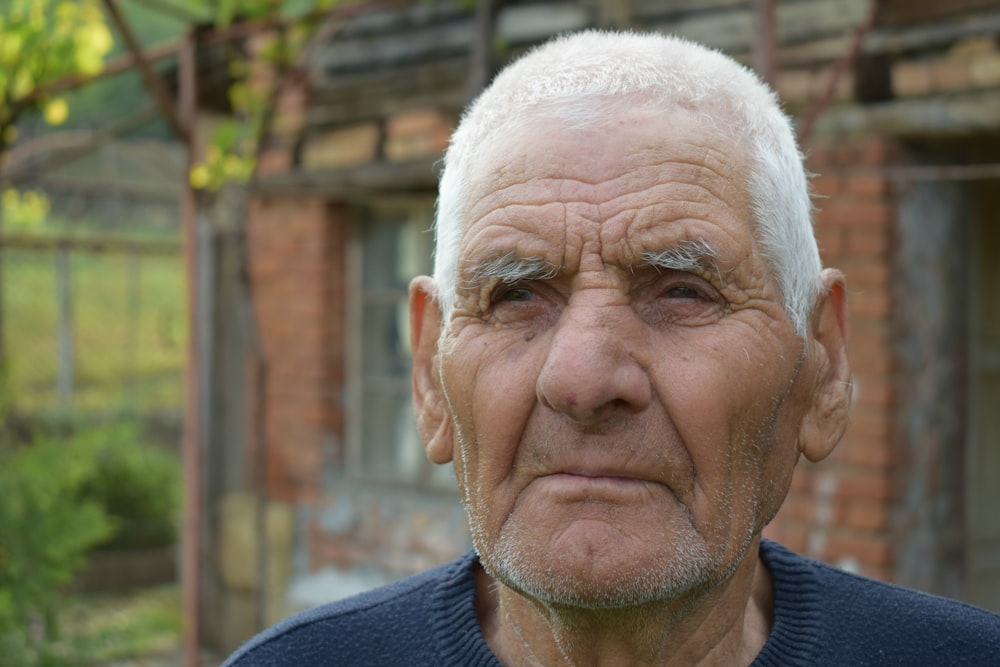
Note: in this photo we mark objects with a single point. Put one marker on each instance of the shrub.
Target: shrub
(63, 494)
(46, 528)
(138, 486)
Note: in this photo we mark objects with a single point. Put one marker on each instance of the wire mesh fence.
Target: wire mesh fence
(92, 326)
(92, 315)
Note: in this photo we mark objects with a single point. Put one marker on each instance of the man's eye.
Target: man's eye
(683, 292)
(515, 294)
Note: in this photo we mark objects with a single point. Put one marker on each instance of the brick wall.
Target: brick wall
(838, 510)
(295, 246)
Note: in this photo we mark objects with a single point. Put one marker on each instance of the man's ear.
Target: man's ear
(433, 417)
(829, 411)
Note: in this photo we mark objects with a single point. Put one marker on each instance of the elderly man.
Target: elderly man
(628, 343)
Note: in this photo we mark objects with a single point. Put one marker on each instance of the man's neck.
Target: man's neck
(728, 625)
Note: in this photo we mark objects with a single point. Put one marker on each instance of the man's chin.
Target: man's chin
(614, 577)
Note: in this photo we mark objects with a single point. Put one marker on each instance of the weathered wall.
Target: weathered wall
(838, 510)
(295, 247)
(931, 285)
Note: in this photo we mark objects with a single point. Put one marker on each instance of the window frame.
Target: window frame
(416, 210)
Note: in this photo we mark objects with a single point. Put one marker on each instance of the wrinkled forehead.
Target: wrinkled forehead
(582, 139)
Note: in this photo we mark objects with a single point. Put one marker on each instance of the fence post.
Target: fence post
(64, 324)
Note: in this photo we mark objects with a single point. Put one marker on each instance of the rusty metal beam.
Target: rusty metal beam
(988, 171)
(843, 65)
(764, 47)
(481, 57)
(154, 82)
(50, 151)
(191, 448)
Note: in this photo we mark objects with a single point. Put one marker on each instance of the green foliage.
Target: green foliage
(121, 626)
(46, 529)
(62, 497)
(138, 486)
(231, 157)
(42, 41)
(23, 210)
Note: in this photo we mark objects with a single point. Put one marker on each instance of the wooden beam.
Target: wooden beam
(357, 182)
(101, 245)
(154, 82)
(764, 44)
(843, 65)
(936, 117)
(25, 164)
(481, 56)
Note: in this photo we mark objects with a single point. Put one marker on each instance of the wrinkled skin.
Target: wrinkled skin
(622, 432)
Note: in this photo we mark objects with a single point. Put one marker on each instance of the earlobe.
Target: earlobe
(828, 414)
(433, 418)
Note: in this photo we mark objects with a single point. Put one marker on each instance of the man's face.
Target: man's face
(622, 377)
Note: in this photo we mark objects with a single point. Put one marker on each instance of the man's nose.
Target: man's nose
(590, 373)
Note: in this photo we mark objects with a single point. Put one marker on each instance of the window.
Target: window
(391, 244)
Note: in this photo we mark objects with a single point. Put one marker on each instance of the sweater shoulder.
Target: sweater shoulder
(373, 628)
(877, 623)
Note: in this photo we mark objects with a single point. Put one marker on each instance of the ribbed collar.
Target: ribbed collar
(795, 635)
(456, 627)
(798, 624)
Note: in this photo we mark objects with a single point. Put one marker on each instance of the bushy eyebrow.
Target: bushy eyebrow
(512, 268)
(685, 256)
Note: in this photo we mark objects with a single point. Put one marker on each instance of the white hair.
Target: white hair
(573, 75)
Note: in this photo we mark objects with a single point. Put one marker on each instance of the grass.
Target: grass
(128, 328)
(105, 628)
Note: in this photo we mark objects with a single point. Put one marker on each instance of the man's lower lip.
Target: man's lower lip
(573, 481)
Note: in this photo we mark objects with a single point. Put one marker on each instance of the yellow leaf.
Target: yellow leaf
(199, 176)
(56, 111)
(10, 198)
(22, 84)
(11, 47)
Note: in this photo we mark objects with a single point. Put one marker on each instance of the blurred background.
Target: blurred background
(210, 215)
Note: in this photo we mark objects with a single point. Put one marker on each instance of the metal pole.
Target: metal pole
(64, 308)
(764, 46)
(191, 541)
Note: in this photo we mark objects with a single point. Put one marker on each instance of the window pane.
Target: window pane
(396, 245)
(391, 449)
(385, 340)
(383, 255)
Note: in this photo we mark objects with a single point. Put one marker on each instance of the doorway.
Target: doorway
(983, 451)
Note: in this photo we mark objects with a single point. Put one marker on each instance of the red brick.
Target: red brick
(951, 75)
(877, 152)
(829, 238)
(863, 483)
(865, 274)
(817, 157)
(802, 479)
(825, 185)
(869, 304)
(855, 213)
(872, 431)
(871, 240)
(867, 184)
(868, 548)
(911, 79)
(867, 516)
(871, 453)
(876, 393)
(868, 358)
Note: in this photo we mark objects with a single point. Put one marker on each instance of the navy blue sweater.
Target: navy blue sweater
(822, 616)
